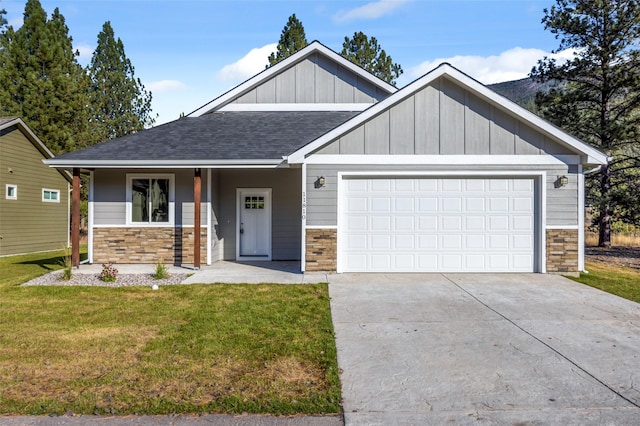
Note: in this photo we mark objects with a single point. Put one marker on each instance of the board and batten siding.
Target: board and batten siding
(29, 224)
(110, 196)
(315, 79)
(322, 203)
(286, 208)
(444, 119)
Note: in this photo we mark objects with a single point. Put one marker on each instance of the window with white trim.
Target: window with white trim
(150, 199)
(11, 192)
(50, 195)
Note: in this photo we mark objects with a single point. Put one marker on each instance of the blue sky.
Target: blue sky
(189, 52)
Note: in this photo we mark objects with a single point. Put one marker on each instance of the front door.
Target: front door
(254, 224)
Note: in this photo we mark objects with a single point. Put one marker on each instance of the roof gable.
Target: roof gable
(314, 75)
(532, 133)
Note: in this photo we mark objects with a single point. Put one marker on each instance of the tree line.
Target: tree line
(68, 106)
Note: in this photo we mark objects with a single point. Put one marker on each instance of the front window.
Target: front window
(150, 199)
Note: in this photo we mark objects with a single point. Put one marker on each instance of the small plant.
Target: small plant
(161, 272)
(109, 273)
(67, 265)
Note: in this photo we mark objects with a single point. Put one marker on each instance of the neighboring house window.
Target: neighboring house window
(12, 192)
(149, 199)
(50, 195)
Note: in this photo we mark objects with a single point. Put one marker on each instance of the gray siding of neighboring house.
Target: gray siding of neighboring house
(29, 224)
(444, 119)
(316, 79)
(562, 203)
(110, 192)
(285, 213)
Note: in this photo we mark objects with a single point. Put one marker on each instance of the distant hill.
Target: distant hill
(523, 92)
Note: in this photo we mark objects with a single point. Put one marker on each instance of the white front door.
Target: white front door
(254, 224)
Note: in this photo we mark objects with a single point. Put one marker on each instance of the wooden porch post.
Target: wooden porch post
(75, 219)
(196, 217)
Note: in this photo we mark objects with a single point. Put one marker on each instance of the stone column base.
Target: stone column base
(562, 251)
(321, 250)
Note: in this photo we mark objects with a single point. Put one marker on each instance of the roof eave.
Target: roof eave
(161, 164)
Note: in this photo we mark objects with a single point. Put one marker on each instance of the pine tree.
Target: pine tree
(367, 53)
(292, 39)
(597, 98)
(3, 21)
(42, 81)
(119, 102)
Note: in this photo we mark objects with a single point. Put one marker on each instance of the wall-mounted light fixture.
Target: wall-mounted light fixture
(561, 181)
(319, 183)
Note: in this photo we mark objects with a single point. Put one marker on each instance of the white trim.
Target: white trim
(91, 214)
(208, 225)
(68, 214)
(290, 107)
(593, 156)
(466, 160)
(573, 227)
(287, 63)
(171, 222)
(51, 191)
(15, 191)
(539, 177)
(303, 220)
(581, 219)
(267, 193)
(322, 227)
(142, 226)
(155, 164)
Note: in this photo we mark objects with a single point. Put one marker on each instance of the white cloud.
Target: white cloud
(512, 64)
(249, 65)
(163, 86)
(85, 50)
(372, 10)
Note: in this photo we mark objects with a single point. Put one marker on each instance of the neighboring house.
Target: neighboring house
(316, 160)
(34, 207)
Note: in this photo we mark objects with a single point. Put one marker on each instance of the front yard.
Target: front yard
(181, 349)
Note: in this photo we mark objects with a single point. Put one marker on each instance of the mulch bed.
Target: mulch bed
(620, 256)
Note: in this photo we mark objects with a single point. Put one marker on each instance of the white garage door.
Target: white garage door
(437, 225)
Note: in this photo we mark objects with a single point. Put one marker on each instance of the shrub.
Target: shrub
(161, 272)
(109, 273)
(67, 270)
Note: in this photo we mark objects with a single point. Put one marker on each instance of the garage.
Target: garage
(437, 224)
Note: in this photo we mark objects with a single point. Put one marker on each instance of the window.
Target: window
(50, 195)
(254, 203)
(150, 199)
(12, 192)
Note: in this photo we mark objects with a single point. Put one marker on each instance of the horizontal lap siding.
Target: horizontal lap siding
(316, 79)
(562, 203)
(28, 224)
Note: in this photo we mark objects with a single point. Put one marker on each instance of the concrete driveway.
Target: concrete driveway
(478, 349)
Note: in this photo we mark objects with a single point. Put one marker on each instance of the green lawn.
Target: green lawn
(181, 349)
(618, 280)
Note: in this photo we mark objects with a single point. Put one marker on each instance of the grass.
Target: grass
(618, 280)
(183, 349)
(617, 239)
(18, 269)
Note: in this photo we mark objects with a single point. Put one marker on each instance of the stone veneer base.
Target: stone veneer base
(321, 250)
(147, 245)
(562, 251)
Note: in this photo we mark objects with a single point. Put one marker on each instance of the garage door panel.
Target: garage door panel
(437, 225)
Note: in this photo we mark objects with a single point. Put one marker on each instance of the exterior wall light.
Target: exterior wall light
(319, 183)
(561, 181)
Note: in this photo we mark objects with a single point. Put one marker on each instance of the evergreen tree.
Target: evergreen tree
(42, 82)
(3, 21)
(598, 98)
(367, 53)
(119, 102)
(292, 39)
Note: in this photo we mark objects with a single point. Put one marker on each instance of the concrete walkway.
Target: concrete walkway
(497, 349)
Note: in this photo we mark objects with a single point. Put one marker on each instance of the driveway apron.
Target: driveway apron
(478, 349)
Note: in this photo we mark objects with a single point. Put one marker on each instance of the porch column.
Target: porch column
(196, 217)
(75, 219)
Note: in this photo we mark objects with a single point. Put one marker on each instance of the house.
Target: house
(34, 206)
(316, 160)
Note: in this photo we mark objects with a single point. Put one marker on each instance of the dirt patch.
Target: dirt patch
(620, 256)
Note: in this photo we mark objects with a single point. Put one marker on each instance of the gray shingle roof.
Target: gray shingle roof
(219, 136)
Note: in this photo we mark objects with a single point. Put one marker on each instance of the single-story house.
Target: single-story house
(316, 160)
(34, 209)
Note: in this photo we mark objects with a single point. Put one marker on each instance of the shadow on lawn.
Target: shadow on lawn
(51, 263)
